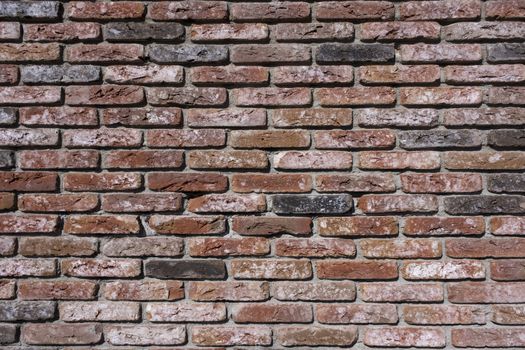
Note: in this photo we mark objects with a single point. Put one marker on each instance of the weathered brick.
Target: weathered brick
(440, 53)
(8, 116)
(271, 96)
(505, 9)
(7, 289)
(227, 160)
(198, 97)
(103, 95)
(232, 117)
(28, 137)
(145, 334)
(400, 249)
(357, 226)
(150, 74)
(228, 203)
(311, 117)
(187, 225)
(58, 116)
(78, 182)
(354, 53)
(187, 54)
(356, 314)
(440, 96)
(141, 202)
(398, 203)
(448, 270)
(508, 314)
(506, 95)
(506, 183)
(441, 183)
(19, 267)
(7, 246)
(229, 75)
(354, 10)
(481, 31)
(100, 138)
(318, 291)
(317, 75)
(101, 224)
(311, 204)
(443, 226)
(399, 31)
(185, 312)
(484, 204)
(490, 74)
(63, 32)
(316, 336)
(405, 337)
(9, 31)
(267, 225)
(101, 268)
(485, 248)
(480, 117)
(28, 181)
(229, 291)
(104, 53)
(507, 270)
(354, 139)
(321, 247)
(271, 183)
(202, 247)
(443, 314)
(313, 32)
(399, 74)
(190, 269)
(440, 10)
(8, 333)
(193, 10)
(399, 160)
(7, 201)
(507, 225)
(355, 96)
(26, 310)
(150, 159)
(482, 292)
(143, 246)
(356, 270)
(57, 246)
(506, 139)
(29, 95)
(487, 160)
(229, 32)
(272, 313)
(231, 335)
(270, 54)
(272, 269)
(56, 290)
(397, 118)
(393, 292)
(8, 74)
(30, 10)
(61, 333)
(29, 52)
(77, 311)
(355, 183)
(144, 290)
(136, 31)
(270, 12)
(187, 182)
(505, 52)
(85, 10)
(490, 337)
(312, 160)
(13, 223)
(270, 139)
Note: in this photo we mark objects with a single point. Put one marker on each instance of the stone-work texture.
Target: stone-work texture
(202, 174)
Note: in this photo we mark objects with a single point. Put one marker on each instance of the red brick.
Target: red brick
(355, 183)
(481, 292)
(355, 96)
(229, 32)
(482, 116)
(7, 289)
(399, 31)
(228, 203)
(440, 96)
(401, 249)
(101, 268)
(7, 201)
(29, 95)
(194, 97)
(192, 10)
(488, 337)
(308, 291)
(65, 32)
(150, 74)
(447, 270)
(506, 96)
(270, 139)
(443, 314)
(12, 223)
(355, 10)
(440, 53)
(187, 182)
(28, 137)
(489, 74)
(440, 10)
(28, 181)
(443, 226)
(441, 183)
(233, 117)
(104, 53)
(507, 270)
(94, 182)
(357, 226)
(356, 314)
(228, 291)
(356, 270)
(394, 292)
(511, 9)
(101, 224)
(507, 225)
(508, 314)
(354, 139)
(228, 75)
(272, 313)
(313, 32)
(84, 10)
(141, 116)
(273, 269)
(228, 246)
(484, 160)
(104, 95)
(279, 97)
(312, 160)
(399, 160)
(61, 334)
(320, 247)
(267, 225)
(316, 336)
(400, 74)
(141, 202)
(311, 117)
(58, 202)
(405, 337)
(8, 74)
(57, 246)
(398, 203)
(270, 12)
(231, 335)
(56, 290)
(185, 312)
(143, 159)
(484, 31)
(485, 248)
(143, 290)
(305, 75)
(271, 183)
(7, 246)
(227, 160)
(29, 52)
(58, 116)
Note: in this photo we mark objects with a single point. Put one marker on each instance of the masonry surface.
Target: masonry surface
(209, 174)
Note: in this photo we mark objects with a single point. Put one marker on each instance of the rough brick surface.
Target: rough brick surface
(232, 174)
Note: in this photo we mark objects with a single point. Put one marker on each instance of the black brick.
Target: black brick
(189, 269)
(351, 53)
(312, 204)
(475, 205)
(509, 183)
(507, 138)
(132, 31)
(506, 52)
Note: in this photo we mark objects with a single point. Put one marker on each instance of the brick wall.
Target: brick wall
(202, 174)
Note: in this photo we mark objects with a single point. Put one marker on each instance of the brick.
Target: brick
(61, 334)
(8, 333)
(318, 291)
(99, 311)
(393, 292)
(508, 314)
(481, 292)
(143, 290)
(440, 96)
(188, 11)
(143, 246)
(62, 32)
(397, 118)
(233, 117)
(100, 138)
(7, 289)
(231, 335)
(103, 95)
(312, 160)
(29, 52)
(19, 267)
(198, 97)
(271, 183)
(9, 31)
(354, 53)
(351, 10)
(104, 53)
(187, 182)
(317, 75)
(272, 269)
(356, 314)
(56, 290)
(311, 204)
(508, 183)
(12, 223)
(354, 139)
(229, 32)
(7, 246)
(506, 138)
(29, 181)
(507, 225)
(440, 10)
(507, 270)
(480, 117)
(405, 337)
(483, 31)
(270, 12)
(484, 204)
(505, 52)
(6, 159)
(400, 249)
(443, 226)
(230, 203)
(187, 225)
(491, 337)
(7, 201)
(443, 314)
(270, 139)
(101, 224)
(143, 159)
(145, 334)
(58, 116)
(505, 73)
(93, 182)
(313, 32)
(513, 9)
(484, 160)
(187, 54)
(485, 248)
(185, 312)
(355, 96)
(440, 53)
(399, 160)
(131, 203)
(267, 225)
(311, 117)
(101, 268)
(270, 96)
(272, 313)
(8, 74)
(33, 10)
(59, 160)
(29, 95)
(194, 269)
(227, 160)
(321, 247)
(357, 226)
(136, 31)
(151, 116)
(57, 246)
(399, 74)
(84, 10)
(506, 95)
(449, 270)
(229, 75)
(150, 74)
(229, 291)
(355, 183)
(202, 247)
(270, 54)
(441, 183)
(399, 31)
(28, 137)
(356, 270)
(398, 203)
(26, 310)
(316, 336)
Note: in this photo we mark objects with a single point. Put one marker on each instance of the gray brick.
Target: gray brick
(509, 183)
(6, 159)
(312, 204)
(506, 138)
(506, 52)
(60, 74)
(7, 333)
(189, 269)
(133, 31)
(352, 53)
(24, 10)
(422, 139)
(486, 204)
(7, 116)
(26, 310)
(187, 54)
